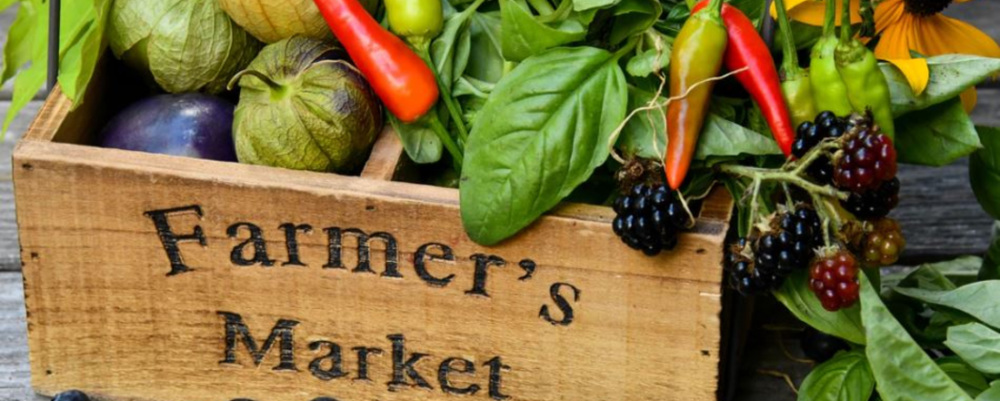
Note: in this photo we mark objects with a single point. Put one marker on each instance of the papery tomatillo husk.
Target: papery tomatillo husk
(182, 45)
(301, 108)
(273, 20)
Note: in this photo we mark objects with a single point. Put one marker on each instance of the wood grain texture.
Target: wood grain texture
(385, 156)
(97, 288)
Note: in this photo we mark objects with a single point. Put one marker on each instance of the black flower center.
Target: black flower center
(925, 8)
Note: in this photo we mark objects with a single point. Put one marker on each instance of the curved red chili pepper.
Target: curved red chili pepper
(399, 76)
(747, 49)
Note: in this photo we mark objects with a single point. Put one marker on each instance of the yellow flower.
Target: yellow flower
(912, 25)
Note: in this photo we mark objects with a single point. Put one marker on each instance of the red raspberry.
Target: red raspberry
(834, 279)
(869, 159)
(884, 243)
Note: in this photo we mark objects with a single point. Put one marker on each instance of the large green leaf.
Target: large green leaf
(525, 35)
(971, 381)
(580, 5)
(977, 345)
(800, 300)
(450, 50)
(543, 131)
(984, 171)
(846, 377)
(950, 75)
(721, 137)
(83, 23)
(901, 368)
(936, 136)
(978, 300)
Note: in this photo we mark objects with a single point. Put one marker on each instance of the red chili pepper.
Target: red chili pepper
(747, 49)
(399, 76)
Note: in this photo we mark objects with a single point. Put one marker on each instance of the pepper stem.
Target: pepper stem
(830, 17)
(846, 31)
(715, 7)
(790, 63)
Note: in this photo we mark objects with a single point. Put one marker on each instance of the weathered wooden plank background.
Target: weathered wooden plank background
(939, 213)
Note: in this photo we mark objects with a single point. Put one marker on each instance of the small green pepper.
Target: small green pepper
(419, 21)
(829, 89)
(867, 88)
(795, 84)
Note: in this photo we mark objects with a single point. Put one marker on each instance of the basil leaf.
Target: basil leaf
(581, 5)
(634, 17)
(845, 377)
(971, 381)
(901, 368)
(950, 75)
(977, 345)
(991, 394)
(978, 300)
(940, 276)
(543, 131)
(485, 59)
(451, 50)
(419, 140)
(646, 63)
(84, 45)
(721, 137)
(638, 135)
(523, 35)
(984, 171)
(936, 136)
(800, 300)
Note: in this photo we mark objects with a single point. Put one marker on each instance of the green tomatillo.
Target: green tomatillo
(302, 108)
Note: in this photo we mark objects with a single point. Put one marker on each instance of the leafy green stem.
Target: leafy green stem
(830, 18)
(542, 6)
(560, 13)
(790, 63)
(449, 143)
(449, 102)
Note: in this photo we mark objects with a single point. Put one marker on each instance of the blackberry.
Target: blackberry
(833, 277)
(71, 395)
(874, 204)
(761, 264)
(868, 160)
(649, 218)
(810, 134)
(789, 246)
(744, 275)
(883, 243)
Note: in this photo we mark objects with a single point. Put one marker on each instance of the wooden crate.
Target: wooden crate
(151, 277)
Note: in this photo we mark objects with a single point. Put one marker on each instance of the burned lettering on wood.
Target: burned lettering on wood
(561, 303)
(292, 242)
(421, 257)
(170, 240)
(335, 237)
(256, 239)
(282, 333)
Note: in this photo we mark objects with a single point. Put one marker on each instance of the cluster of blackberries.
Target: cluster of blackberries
(811, 133)
(649, 218)
(764, 261)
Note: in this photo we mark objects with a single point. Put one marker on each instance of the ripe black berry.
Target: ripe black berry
(649, 218)
(71, 395)
(819, 346)
(833, 277)
(883, 243)
(868, 160)
(761, 264)
(810, 134)
(874, 204)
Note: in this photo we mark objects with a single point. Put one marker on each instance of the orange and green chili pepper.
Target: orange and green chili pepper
(867, 88)
(697, 56)
(746, 49)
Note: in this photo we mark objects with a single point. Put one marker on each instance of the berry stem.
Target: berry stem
(793, 177)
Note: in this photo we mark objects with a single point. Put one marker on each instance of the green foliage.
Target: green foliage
(977, 300)
(26, 54)
(950, 75)
(543, 131)
(846, 377)
(800, 300)
(984, 171)
(525, 34)
(901, 368)
(977, 345)
(936, 136)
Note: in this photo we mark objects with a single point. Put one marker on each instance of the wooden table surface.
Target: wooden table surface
(938, 211)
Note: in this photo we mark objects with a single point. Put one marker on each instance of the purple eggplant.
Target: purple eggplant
(190, 124)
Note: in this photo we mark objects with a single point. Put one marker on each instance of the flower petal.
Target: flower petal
(895, 42)
(916, 71)
(812, 11)
(937, 34)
